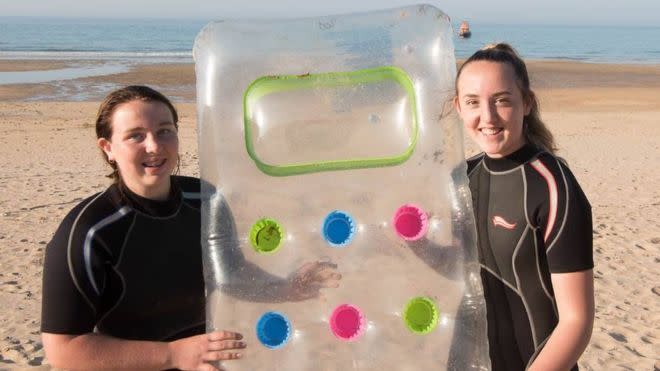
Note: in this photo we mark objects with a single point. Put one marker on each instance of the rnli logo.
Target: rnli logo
(498, 221)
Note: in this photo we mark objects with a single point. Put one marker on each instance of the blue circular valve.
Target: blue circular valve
(273, 330)
(338, 228)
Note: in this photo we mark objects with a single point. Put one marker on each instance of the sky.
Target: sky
(558, 12)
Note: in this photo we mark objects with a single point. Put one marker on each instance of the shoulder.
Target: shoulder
(552, 187)
(73, 249)
(99, 209)
(565, 216)
(554, 171)
(544, 164)
(92, 210)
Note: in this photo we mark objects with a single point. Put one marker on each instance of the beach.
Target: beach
(604, 118)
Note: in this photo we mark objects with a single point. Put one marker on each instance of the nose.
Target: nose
(152, 144)
(488, 113)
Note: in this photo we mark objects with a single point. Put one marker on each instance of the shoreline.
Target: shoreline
(178, 79)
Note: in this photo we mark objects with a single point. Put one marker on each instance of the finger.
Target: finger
(325, 264)
(307, 292)
(226, 344)
(305, 268)
(209, 367)
(322, 282)
(221, 356)
(327, 274)
(328, 284)
(312, 267)
(224, 335)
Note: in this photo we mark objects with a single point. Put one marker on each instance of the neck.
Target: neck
(156, 192)
(508, 152)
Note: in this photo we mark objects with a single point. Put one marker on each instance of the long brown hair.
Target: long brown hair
(110, 104)
(534, 130)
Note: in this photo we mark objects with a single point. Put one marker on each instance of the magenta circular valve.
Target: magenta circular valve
(410, 222)
(347, 322)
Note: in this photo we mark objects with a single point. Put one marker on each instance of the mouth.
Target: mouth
(154, 163)
(490, 131)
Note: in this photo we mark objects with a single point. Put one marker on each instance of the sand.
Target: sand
(604, 118)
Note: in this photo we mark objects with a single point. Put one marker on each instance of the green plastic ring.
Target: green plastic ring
(421, 315)
(266, 236)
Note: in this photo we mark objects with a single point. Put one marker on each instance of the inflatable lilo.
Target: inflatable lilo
(323, 142)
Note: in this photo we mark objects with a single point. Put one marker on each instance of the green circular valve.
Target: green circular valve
(266, 236)
(421, 315)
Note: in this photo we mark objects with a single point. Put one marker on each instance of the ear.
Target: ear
(527, 105)
(457, 104)
(106, 146)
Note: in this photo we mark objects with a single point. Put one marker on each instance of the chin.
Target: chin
(156, 181)
(491, 150)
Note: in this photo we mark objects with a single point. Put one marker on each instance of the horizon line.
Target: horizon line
(208, 19)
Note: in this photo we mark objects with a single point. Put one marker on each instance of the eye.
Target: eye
(471, 102)
(166, 132)
(502, 101)
(136, 137)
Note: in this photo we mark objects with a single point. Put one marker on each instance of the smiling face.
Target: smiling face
(144, 145)
(492, 107)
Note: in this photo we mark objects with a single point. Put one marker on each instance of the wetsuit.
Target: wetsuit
(127, 266)
(532, 220)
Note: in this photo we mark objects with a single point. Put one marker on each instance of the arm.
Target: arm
(448, 260)
(99, 352)
(443, 259)
(252, 283)
(574, 293)
(240, 278)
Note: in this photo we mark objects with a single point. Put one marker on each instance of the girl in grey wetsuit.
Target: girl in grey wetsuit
(533, 220)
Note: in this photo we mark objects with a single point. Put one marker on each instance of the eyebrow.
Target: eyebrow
(498, 94)
(137, 129)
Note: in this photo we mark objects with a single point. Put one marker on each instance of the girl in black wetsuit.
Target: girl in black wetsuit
(123, 287)
(123, 283)
(533, 220)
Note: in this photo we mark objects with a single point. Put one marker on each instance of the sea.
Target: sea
(122, 43)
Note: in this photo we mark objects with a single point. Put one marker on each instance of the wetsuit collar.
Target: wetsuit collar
(155, 208)
(513, 160)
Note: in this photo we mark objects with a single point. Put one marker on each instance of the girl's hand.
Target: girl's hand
(306, 282)
(195, 352)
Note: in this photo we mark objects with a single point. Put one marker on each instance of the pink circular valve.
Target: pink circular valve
(347, 322)
(410, 222)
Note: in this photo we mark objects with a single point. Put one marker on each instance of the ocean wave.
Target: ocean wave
(96, 55)
(559, 57)
(69, 73)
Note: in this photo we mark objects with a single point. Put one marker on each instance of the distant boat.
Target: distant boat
(464, 30)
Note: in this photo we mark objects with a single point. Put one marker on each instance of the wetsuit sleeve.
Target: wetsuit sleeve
(66, 309)
(222, 235)
(565, 221)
